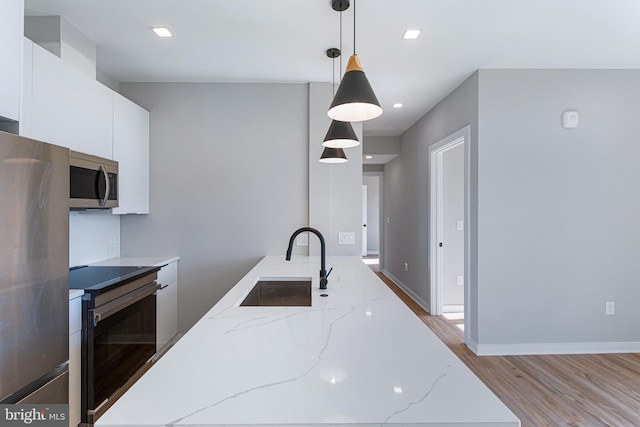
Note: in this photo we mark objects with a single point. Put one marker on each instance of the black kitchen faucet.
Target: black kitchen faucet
(323, 268)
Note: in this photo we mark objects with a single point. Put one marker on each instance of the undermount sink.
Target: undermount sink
(279, 292)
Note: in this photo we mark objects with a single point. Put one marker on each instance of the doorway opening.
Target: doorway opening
(449, 232)
(372, 230)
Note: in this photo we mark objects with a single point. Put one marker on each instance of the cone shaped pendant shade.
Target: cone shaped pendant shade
(333, 155)
(340, 135)
(355, 100)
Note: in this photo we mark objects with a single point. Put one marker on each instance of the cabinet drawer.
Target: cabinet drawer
(168, 274)
(75, 315)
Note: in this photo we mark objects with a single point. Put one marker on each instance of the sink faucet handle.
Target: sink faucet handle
(330, 270)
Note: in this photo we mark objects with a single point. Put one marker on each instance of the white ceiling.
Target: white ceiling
(285, 41)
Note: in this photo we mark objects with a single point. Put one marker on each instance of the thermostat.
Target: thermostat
(570, 119)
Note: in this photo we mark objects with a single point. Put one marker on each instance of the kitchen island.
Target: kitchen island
(358, 356)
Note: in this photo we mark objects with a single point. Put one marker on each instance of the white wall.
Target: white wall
(335, 190)
(558, 221)
(229, 181)
(373, 212)
(90, 236)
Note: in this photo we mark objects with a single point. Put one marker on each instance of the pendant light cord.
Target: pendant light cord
(341, 46)
(354, 27)
(333, 72)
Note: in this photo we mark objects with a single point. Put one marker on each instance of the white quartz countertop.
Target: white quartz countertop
(75, 293)
(356, 357)
(147, 261)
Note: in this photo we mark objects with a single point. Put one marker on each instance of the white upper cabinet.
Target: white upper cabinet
(131, 150)
(11, 30)
(69, 108)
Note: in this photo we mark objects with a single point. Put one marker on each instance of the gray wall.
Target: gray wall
(229, 181)
(558, 223)
(554, 229)
(372, 168)
(381, 145)
(406, 190)
(373, 212)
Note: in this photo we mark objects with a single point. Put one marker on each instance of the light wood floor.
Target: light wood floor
(567, 390)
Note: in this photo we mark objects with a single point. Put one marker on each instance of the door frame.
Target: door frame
(461, 136)
(365, 221)
(381, 217)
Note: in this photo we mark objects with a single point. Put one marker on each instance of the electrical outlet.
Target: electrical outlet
(459, 225)
(460, 279)
(113, 241)
(346, 238)
(388, 220)
(610, 308)
(406, 266)
(302, 239)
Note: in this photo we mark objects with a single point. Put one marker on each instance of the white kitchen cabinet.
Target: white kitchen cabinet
(75, 343)
(26, 97)
(11, 31)
(167, 307)
(131, 150)
(68, 108)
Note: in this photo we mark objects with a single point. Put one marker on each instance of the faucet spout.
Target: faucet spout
(323, 252)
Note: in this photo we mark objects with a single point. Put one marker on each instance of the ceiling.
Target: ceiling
(285, 41)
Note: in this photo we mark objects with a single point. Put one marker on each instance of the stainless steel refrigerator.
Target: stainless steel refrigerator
(34, 271)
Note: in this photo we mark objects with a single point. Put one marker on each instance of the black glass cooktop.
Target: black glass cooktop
(100, 278)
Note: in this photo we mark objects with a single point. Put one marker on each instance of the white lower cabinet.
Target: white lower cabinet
(75, 343)
(167, 307)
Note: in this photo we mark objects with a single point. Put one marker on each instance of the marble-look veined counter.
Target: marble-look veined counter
(356, 357)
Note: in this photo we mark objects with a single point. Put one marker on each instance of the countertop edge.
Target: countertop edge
(150, 261)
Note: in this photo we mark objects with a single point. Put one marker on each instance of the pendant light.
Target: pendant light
(333, 155)
(340, 134)
(355, 100)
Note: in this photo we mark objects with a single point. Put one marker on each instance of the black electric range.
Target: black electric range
(96, 280)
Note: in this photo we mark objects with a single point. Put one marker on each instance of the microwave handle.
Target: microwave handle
(107, 185)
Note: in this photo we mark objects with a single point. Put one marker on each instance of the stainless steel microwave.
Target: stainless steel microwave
(93, 182)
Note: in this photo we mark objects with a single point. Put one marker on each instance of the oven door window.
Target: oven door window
(123, 343)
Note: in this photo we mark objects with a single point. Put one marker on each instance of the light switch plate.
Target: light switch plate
(460, 279)
(302, 239)
(459, 225)
(346, 238)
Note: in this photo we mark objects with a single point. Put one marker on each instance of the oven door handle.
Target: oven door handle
(104, 311)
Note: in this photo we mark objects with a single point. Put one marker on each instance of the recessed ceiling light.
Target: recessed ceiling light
(368, 157)
(397, 105)
(397, 390)
(411, 34)
(162, 31)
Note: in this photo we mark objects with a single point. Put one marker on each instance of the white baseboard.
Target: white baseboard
(422, 303)
(373, 252)
(453, 308)
(553, 348)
